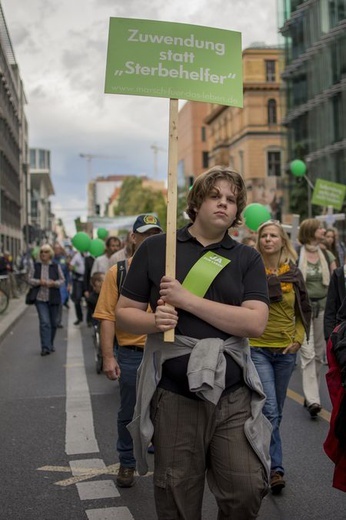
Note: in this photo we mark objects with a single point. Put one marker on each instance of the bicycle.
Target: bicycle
(4, 295)
(21, 278)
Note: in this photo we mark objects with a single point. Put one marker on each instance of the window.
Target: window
(274, 164)
(205, 159)
(34, 208)
(336, 103)
(336, 11)
(271, 107)
(42, 159)
(203, 134)
(270, 71)
(32, 158)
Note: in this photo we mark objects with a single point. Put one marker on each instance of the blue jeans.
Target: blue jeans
(275, 370)
(47, 315)
(129, 361)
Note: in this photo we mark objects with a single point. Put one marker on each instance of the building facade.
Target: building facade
(99, 190)
(315, 78)
(251, 139)
(192, 144)
(41, 189)
(14, 170)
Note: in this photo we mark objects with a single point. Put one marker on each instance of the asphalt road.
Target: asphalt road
(58, 437)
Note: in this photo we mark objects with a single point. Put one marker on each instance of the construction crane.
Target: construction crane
(156, 149)
(90, 156)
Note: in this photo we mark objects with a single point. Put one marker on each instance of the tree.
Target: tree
(134, 200)
(130, 189)
(181, 207)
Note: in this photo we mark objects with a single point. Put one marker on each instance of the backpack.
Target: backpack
(122, 266)
(338, 339)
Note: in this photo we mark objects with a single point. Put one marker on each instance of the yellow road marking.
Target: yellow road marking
(85, 473)
(300, 399)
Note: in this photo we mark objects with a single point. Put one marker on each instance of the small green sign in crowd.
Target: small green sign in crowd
(328, 193)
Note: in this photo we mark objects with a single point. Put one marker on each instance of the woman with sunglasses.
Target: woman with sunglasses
(46, 277)
(274, 353)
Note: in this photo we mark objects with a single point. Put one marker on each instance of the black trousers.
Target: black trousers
(77, 295)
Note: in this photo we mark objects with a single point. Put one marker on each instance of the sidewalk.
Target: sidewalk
(12, 314)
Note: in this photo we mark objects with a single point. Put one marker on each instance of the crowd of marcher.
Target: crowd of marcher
(245, 312)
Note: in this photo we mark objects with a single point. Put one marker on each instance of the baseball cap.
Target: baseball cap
(145, 222)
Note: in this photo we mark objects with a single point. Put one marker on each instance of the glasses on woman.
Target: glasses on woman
(44, 251)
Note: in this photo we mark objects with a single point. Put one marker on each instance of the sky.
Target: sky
(61, 48)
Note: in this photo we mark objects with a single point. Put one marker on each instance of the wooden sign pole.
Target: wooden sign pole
(172, 195)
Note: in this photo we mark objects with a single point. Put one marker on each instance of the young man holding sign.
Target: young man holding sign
(199, 399)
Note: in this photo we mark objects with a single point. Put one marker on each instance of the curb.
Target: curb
(11, 315)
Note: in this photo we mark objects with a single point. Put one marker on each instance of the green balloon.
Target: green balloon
(97, 247)
(35, 252)
(81, 241)
(102, 233)
(255, 214)
(298, 168)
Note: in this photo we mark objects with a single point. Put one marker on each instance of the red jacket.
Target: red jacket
(336, 391)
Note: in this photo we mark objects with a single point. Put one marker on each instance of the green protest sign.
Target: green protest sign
(328, 193)
(173, 60)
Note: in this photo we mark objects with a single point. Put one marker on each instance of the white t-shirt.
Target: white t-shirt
(78, 262)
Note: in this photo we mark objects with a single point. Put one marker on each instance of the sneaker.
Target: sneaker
(77, 322)
(125, 477)
(277, 483)
(314, 409)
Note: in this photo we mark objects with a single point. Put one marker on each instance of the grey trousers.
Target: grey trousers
(311, 360)
(195, 439)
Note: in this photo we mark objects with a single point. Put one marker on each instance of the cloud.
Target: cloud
(61, 49)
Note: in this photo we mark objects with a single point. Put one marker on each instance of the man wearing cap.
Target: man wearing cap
(130, 351)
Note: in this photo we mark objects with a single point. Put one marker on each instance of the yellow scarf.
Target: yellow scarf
(286, 287)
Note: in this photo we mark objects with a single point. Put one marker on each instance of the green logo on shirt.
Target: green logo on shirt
(203, 273)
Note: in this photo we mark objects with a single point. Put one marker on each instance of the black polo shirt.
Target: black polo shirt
(242, 279)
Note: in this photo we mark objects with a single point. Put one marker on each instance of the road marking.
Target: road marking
(110, 513)
(300, 399)
(97, 490)
(84, 473)
(58, 469)
(80, 433)
(81, 466)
